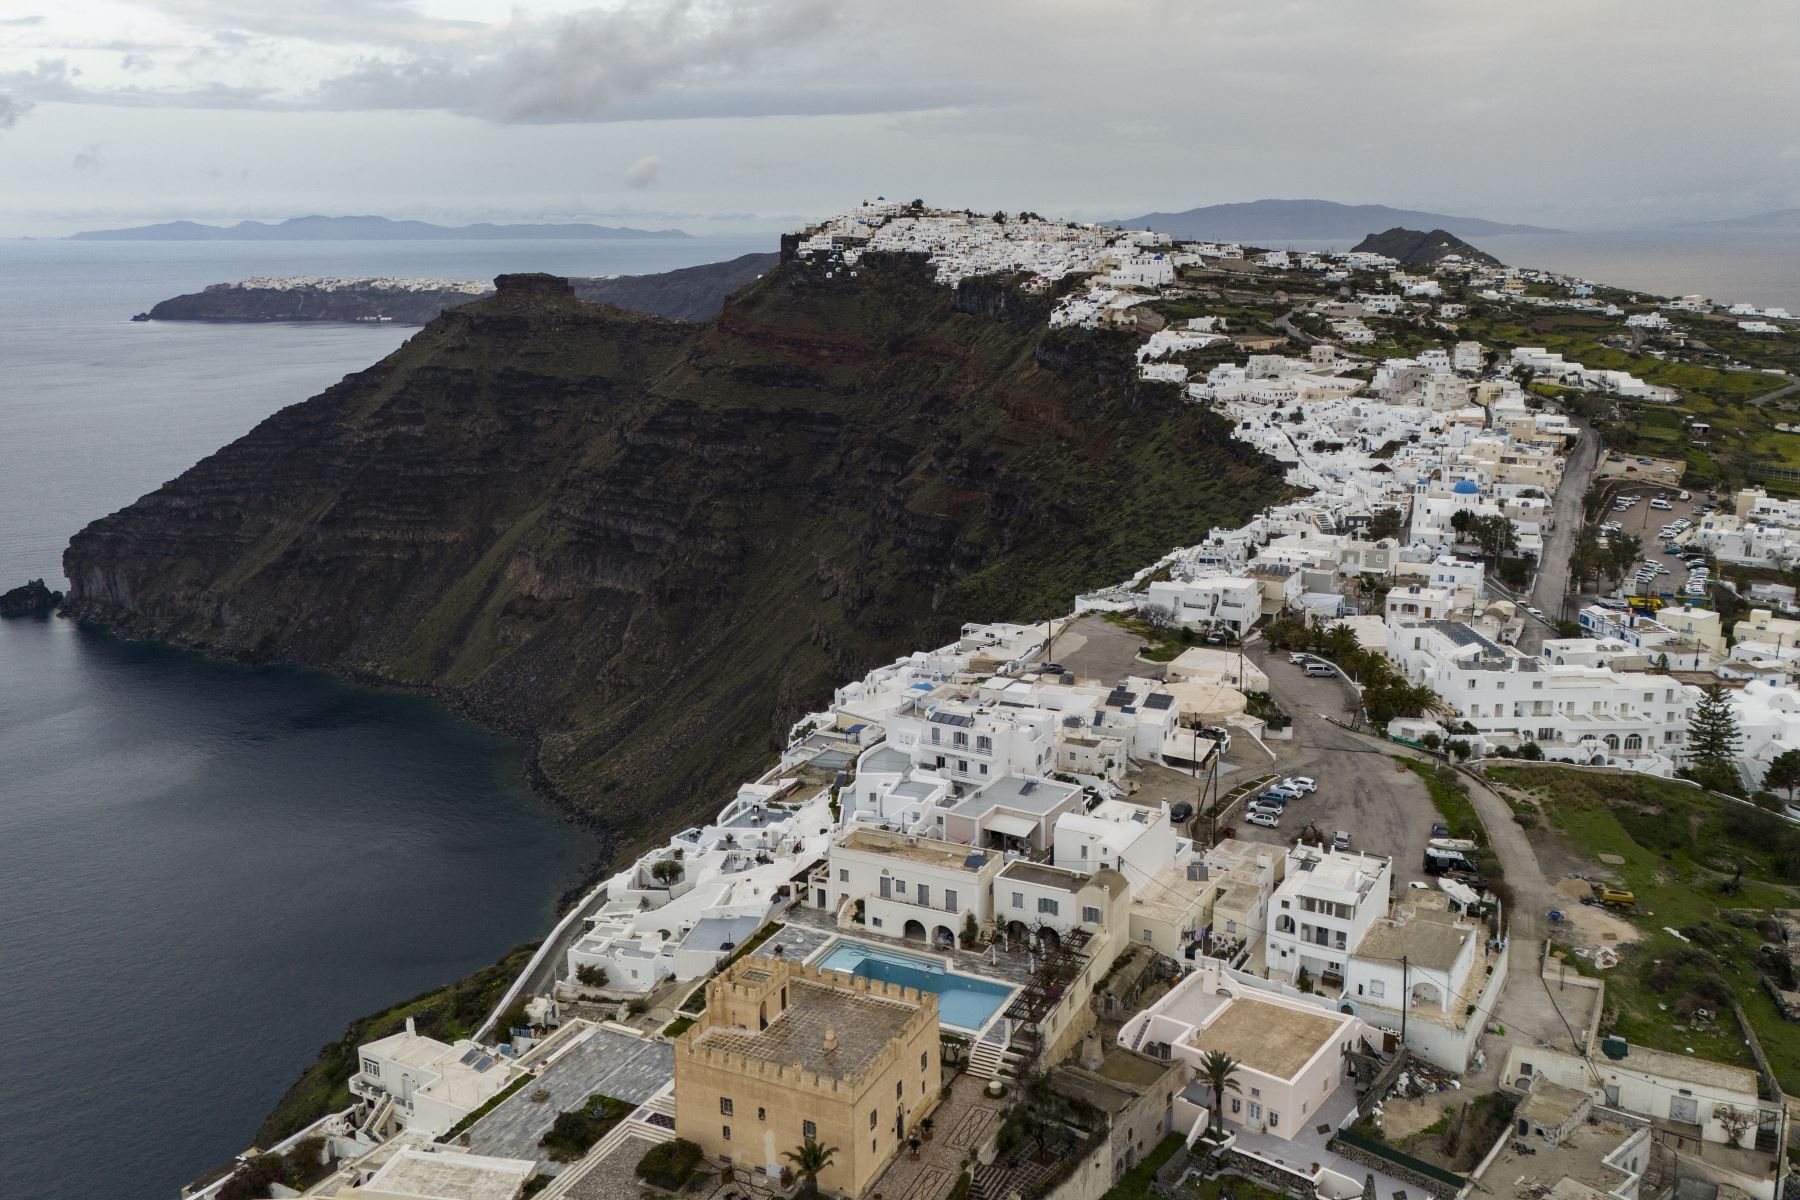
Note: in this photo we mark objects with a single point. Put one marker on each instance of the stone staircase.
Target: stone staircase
(989, 1055)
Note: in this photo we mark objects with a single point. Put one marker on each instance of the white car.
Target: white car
(1297, 658)
(1537, 612)
(1301, 783)
(1661, 504)
(1416, 886)
(1266, 820)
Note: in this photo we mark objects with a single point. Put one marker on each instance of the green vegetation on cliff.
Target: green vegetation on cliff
(647, 548)
(447, 1013)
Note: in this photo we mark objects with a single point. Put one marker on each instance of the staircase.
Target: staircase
(372, 1127)
(989, 1053)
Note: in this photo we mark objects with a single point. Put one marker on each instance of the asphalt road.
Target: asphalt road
(1361, 791)
(1550, 590)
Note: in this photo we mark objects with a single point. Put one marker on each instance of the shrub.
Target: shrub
(669, 1165)
(590, 975)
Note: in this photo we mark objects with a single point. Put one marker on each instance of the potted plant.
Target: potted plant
(913, 1144)
(925, 1124)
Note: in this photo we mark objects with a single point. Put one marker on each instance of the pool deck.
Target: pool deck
(1013, 967)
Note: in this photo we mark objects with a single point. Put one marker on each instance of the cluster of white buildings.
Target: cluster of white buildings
(339, 283)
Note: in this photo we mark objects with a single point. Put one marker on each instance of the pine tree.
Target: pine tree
(1713, 740)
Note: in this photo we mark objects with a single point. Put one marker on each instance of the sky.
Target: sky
(736, 116)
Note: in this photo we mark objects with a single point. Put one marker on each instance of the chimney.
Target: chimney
(409, 1026)
(830, 1038)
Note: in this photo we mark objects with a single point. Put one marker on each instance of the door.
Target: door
(887, 887)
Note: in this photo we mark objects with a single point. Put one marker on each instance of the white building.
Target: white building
(1231, 601)
(909, 886)
(1327, 902)
(431, 1086)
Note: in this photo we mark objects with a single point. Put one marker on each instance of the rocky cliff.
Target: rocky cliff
(685, 294)
(647, 547)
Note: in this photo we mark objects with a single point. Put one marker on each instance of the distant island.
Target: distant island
(1785, 219)
(1265, 221)
(363, 229)
(686, 294)
(1413, 248)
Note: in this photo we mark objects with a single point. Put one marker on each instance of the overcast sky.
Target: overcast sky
(734, 115)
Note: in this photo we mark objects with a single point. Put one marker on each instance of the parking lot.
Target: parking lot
(1384, 808)
(1646, 523)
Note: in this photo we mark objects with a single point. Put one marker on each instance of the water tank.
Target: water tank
(1614, 1046)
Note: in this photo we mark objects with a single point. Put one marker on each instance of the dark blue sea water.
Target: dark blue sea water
(206, 871)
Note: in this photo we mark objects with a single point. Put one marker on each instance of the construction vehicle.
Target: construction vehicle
(1649, 604)
(1612, 897)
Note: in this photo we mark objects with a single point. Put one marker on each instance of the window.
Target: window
(809, 1131)
(1237, 1106)
(1377, 989)
(937, 735)
(1274, 1119)
(1083, 850)
(762, 1114)
(984, 744)
(923, 1058)
(1018, 899)
(984, 768)
(1046, 906)
(950, 899)
(371, 1067)
(898, 1094)
(1090, 914)
(1256, 1093)
(871, 1118)
(960, 740)
(1149, 936)
(724, 1106)
(727, 1130)
(843, 874)
(962, 764)
(900, 886)
(875, 921)
(925, 894)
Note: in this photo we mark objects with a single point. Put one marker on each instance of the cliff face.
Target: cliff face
(648, 547)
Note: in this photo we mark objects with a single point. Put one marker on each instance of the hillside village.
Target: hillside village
(1241, 877)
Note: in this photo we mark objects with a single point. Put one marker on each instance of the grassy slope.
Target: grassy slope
(1678, 843)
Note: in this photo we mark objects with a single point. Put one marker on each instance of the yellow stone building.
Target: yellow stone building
(786, 1052)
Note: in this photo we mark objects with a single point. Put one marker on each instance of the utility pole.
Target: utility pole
(1405, 995)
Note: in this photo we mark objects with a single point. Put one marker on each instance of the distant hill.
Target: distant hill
(360, 229)
(1272, 221)
(1781, 218)
(686, 294)
(1413, 248)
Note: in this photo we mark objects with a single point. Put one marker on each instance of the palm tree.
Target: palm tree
(1219, 1070)
(809, 1160)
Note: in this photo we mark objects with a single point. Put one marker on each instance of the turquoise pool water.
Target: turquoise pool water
(963, 1000)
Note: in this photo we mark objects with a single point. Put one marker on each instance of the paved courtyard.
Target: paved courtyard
(961, 1123)
(609, 1063)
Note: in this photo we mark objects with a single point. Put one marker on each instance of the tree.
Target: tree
(1384, 524)
(1219, 1070)
(1462, 520)
(809, 1160)
(666, 871)
(1713, 740)
(1585, 558)
(1784, 773)
(590, 975)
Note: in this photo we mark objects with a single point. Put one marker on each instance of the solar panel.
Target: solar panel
(1159, 701)
(469, 1055)
(484, 1062)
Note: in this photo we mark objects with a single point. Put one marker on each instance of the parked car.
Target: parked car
(1340, 840)
(1301, 783)
(1320, 670)
(1418, 886)
(1266, 820)
(1283, 793)
(1659, 502)
(1297, 658)
(1278, 799)
(1439, 829)
(1536, 612)
(1180, 812)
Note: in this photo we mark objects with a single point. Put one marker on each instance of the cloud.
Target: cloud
(643, 172)
(88, 157)
(136, 62)
(11, 109)
(22, 22)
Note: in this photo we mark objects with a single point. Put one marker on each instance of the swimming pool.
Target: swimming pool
(963, 1000)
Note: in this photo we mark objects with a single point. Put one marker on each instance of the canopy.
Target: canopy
(1011, 826)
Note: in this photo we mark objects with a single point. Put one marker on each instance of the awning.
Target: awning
(1011, 826)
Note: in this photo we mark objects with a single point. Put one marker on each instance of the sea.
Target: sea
(1727, 266)
(208, 870)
